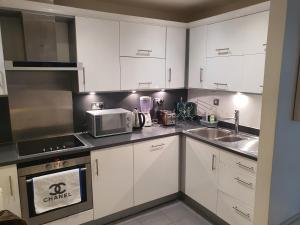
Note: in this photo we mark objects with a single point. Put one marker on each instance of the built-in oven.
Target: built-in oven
(27, 172)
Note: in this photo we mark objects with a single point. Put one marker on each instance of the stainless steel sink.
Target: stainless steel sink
(210, 133)
(231, 139)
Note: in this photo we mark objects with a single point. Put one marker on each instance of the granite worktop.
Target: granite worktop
(9, 152)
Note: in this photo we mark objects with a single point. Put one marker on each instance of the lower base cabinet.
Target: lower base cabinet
(10, 189)
(234, 211)
(156, 169)
(112, 180)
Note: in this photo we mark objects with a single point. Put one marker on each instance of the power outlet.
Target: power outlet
(97, 105)
(216, 101)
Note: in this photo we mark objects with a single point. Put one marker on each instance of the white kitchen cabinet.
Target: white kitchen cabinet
(112, 180)
(98, 49)
(175, 57)
(225, 73)
(234, 211)
(201, 176)
(142, 40)
(142, 73)
(10, 189)
(256, 33)
(197, 58)
(253, 73)
(156, 169)
(225, 38)
(3, 87)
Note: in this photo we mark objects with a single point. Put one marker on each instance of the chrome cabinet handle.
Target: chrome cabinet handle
(97, 167)
(201, 75)
(213, 162)
(245, 167)
(222, 84)
(160, 145)
(10, 186)
(143, 52)
(170, 74)
(83, 71)
(248, 184)
(261, 86)
(223, 51)
(241, 213)
(145, 82)
(157, 147)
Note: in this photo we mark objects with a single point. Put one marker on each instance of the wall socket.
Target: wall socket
(216, 101)
(97, 105)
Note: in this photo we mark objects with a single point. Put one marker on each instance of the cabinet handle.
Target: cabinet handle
(245, 167)
(223, 51)
(10, 186)
(241, 213)
(248, 184)
(97, 167)
(261, 86)
(222, 84)
(83, 71)
(157, 147)
(201, 75)
(143, 52)
(170, 74)
(213, 162)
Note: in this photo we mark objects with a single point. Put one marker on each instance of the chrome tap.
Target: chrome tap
(236, 121)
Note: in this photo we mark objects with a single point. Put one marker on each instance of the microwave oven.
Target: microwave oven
(108, 122)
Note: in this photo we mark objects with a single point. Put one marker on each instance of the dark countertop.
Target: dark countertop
(9, 152)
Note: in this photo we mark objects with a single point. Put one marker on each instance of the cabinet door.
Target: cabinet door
(142, 73)
(201, 178)
(225, 38)
(98, 50)
(142, 40)
(10, 189)
(225, 73)
(156, 169)
(197, 58)
(175, 57)
(253, 74)
(112, 180)
(256, 33)
(3, 88)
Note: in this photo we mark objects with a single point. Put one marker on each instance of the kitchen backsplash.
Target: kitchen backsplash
(248, 104)
(126, 100)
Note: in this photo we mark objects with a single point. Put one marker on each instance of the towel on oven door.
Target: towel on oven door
(56, 190)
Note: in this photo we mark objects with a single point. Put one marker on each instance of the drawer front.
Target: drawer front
(233, 211)
(241, 164)
(240, 186)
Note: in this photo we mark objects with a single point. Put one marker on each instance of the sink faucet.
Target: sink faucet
(236, 121)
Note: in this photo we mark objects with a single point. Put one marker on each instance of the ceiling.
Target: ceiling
(177, 10)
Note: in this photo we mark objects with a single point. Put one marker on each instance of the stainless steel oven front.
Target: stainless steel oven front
(27, 171)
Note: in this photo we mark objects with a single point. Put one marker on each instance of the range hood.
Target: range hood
(40, 45)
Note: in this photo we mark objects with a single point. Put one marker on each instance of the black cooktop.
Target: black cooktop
(48, 145)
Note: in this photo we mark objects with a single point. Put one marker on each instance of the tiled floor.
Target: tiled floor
(175, 213)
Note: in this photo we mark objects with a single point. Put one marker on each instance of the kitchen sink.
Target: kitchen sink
(210, 133)
(231, 139)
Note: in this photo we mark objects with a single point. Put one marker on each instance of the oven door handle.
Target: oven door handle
(30, 180)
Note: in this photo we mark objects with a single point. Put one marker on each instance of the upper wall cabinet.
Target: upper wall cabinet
(175, 57)
(256, 33)
(225, 38)
(98, 50)
(197, 58)
(142, 40)
(3, 88)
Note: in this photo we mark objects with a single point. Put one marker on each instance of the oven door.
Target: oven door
(27, 192)
(110, 124)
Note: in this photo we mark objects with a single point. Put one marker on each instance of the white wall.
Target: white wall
(248, 104)
(278, 183)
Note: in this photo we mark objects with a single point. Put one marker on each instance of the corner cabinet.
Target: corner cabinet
(156, 169)
(10, 189)
(98, 49)
(201, 176)
(112, 180)
(175, 57)
(3, 87)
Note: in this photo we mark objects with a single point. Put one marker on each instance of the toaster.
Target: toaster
(168, 118)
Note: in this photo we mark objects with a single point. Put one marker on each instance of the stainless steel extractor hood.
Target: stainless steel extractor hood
(40, 45)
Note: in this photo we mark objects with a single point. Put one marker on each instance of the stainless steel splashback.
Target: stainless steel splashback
(40, 103)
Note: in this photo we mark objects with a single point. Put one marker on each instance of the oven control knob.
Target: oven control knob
(48, 166)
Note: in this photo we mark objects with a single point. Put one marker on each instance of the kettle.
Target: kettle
(138, 119)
